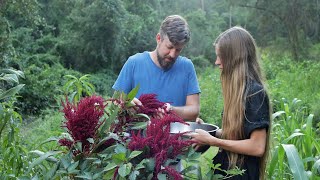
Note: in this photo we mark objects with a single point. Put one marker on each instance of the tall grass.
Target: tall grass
(291, 79)
(295, 144)
(41, 129)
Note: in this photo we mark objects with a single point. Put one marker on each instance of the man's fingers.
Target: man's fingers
(200, 121)
(136, 101)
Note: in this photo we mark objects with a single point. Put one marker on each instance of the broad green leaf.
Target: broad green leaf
(235, 171)
(85, 176)
(110, 136)
(110, 166)
(125, 169)
(66, 161)
(13, 71)
(140, 165)
(78, 146)
(295, 101)
(134, 154)
(11, 92)
(50, 140)
(67, 86)
(40, 153)
(97, 162)
(295, 162)
(97, 175)
(109, 174)
(42, 158)
(71, 77)
(88, 88)
(291, 137)
(73, 166)
(143, 115)
(150, 164)
(276, 114)
(108, 121)
(10, 78)
(133, 175)
(140, 125)
(84, 77)
(286, 109)
(309, 136)
(84, 165)
(73, 97)
(281, 156)
(189, 169)
(274, 161)
(133, 93)
(90, 140)
(162, 176)
(118, 158)
(316, 169)
(120, 149)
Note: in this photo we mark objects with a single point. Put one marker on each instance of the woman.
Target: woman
(243, 140)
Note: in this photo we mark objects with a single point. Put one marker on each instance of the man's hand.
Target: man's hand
(136, 101)
(200, 121)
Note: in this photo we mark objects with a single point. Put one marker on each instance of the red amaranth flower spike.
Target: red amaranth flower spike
(150, 104)
(162, 144)
(66, 142)
(173, 173)
(82, 121)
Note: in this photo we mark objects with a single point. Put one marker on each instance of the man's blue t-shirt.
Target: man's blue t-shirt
(172, 86)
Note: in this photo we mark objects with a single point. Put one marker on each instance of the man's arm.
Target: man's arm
(191, 110)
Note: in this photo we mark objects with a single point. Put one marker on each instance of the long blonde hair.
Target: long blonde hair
(238, 55)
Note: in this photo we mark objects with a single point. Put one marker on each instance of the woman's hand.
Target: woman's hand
(201, 137)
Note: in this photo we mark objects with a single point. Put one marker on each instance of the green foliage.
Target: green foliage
(315, 51)
(93, 37)
(78, 87)
(293, 80)
(200, 63)
(43, 86)
(296, 138)
(205, 27)
(293, 21)
(12, 159)
(20, 12)
(5, 44)
(103, 82)
(7, 113)
(211, 97)
(38, 130)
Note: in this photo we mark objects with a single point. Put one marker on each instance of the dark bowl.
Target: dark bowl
(191, 127)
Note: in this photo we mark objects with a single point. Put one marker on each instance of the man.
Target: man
(164, 72)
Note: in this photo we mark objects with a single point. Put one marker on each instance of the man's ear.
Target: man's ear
(158, 38)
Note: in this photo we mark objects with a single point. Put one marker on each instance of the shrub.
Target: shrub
(210, 97)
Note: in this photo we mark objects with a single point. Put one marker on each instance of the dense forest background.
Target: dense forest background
(59, 43)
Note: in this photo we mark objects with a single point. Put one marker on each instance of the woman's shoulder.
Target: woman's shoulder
(255, 87)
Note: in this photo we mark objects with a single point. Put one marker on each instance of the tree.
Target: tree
(295, 20)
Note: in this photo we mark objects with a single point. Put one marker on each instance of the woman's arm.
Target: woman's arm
(255, 146)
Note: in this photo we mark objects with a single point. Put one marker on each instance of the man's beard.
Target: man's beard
(165, 65)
